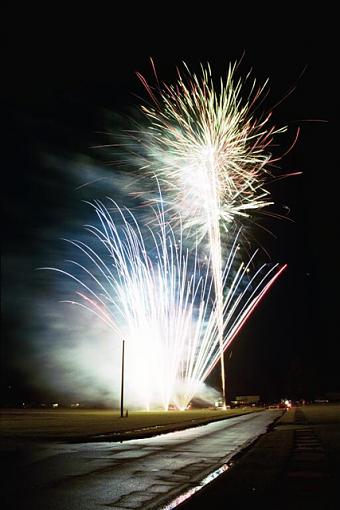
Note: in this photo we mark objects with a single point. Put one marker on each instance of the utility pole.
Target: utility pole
(122, 384)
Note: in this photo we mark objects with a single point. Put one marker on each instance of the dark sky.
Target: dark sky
(70, 80)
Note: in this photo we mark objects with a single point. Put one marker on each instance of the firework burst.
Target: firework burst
(211, 155)
(207, 149)
(157, 295)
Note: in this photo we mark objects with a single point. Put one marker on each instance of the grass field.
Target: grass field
(323, 414)
(314, 414)
(62, 424)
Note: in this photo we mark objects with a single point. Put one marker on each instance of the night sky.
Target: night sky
(72, 82)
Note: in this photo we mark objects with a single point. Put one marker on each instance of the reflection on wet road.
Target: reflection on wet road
(143, 473)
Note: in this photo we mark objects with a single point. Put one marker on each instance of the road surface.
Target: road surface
(151, 473)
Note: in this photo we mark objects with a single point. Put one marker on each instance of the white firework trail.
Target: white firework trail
(157, 296)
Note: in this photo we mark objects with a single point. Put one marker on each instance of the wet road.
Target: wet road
(144, 473)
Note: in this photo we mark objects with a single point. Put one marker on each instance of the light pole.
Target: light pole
(122, 383)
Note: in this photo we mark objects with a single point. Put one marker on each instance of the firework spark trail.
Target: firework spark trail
(157, 296)
(211, 155)
(150, 303)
